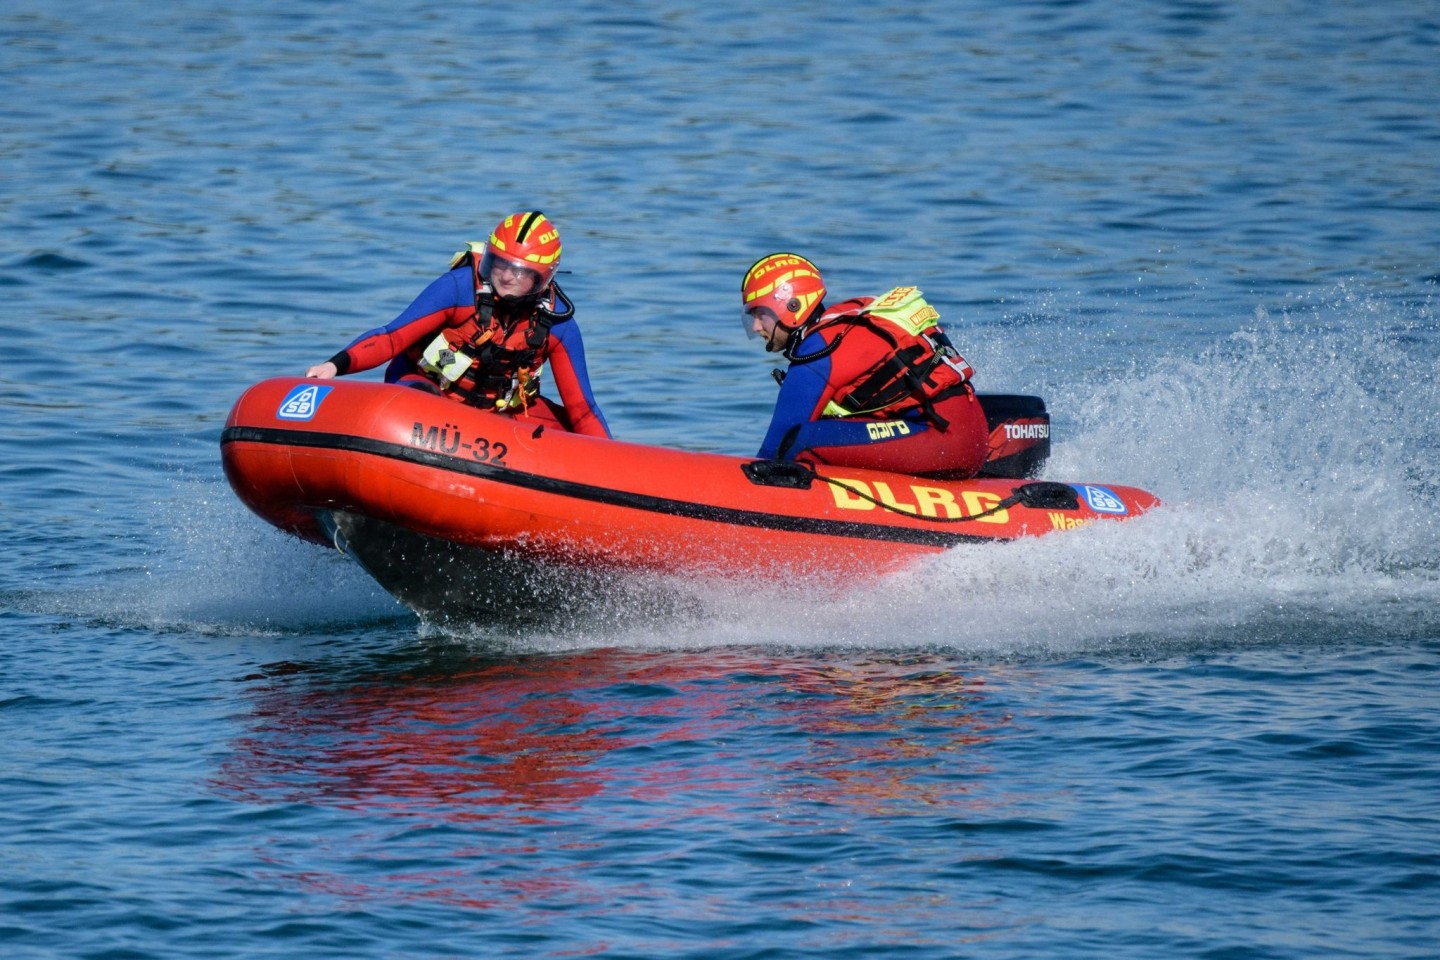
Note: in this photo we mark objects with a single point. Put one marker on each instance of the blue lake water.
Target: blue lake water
(1207, 233)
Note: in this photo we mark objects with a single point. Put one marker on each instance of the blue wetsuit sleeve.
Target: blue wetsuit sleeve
(799, 402)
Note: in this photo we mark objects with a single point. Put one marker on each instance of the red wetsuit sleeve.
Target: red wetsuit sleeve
(442, 302)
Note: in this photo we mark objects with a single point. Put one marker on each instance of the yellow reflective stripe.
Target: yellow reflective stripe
(906, 309)
(530, 219)
(800, 270)
(767, 290)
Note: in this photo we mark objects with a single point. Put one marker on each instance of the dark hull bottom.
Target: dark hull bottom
(449, 584)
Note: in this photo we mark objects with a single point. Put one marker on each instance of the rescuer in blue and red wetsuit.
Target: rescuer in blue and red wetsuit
(482, 332)
(873, 382)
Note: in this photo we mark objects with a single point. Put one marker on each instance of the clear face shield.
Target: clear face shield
(507, 278)
(748, 320)
(761, 322)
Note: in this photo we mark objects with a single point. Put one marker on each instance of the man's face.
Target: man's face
(765, 324)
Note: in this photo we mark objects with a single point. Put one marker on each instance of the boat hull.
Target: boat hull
(387, 471)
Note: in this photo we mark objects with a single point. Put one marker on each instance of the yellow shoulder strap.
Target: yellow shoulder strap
(907, 309)
(471, 246)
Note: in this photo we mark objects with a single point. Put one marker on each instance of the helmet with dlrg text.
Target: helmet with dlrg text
(522, 256)
(785, 285)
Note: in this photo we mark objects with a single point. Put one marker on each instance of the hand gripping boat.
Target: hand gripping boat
(465, 513)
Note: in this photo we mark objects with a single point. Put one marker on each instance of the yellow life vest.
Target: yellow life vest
(922, 368)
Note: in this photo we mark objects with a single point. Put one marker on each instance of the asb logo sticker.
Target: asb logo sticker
(302, 402)
(1102, 499)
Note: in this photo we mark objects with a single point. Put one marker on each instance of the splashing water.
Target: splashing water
(1297, 462)
(216, 569)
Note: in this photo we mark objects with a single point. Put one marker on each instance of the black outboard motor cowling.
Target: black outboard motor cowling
(1019, 435)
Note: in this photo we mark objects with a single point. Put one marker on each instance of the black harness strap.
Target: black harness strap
(502, 364)
(900, 376)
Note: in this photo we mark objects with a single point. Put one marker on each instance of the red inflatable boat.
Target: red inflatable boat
(461, 512)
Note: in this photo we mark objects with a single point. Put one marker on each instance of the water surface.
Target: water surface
(1204, 232)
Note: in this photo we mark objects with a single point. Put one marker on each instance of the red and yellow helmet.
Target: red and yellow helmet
(787, 285)
(526, 241)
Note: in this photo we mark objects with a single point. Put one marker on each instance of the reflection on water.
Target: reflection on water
(684, 734)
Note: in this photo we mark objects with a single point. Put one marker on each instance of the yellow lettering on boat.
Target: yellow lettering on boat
(1059, 521)
(845, 499)
(933, 499)
(882, 490)
(929, 501)
(978, 501)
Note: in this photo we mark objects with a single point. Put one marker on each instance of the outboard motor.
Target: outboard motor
(1019, 435)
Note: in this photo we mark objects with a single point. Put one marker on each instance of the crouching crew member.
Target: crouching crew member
(873, 382)
(482, 332)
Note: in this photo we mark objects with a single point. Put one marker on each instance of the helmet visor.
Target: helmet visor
(749, 321)
(509, 278)
(762, 323)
